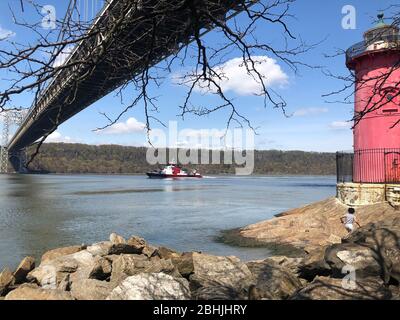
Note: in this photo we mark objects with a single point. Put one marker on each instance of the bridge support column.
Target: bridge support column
(18, 160)
(3, 160)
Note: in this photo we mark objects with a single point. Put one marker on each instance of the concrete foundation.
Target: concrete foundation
(360, 194)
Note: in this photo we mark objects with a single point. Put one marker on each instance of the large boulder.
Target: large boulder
(323, 288)
(33, 292)
(314, 264)
(216, 277)
(151, 286)
(382, 238)
(184, 264)
(167, 253)
(129, 265)
(351, 256)
(6, 280)
(102, 269)
(117, 239)
(51, 273)
(105, 248)
(90, 289)
(291, 263)
(272, 281)
(126, 265)
(60, 252)
(26, 266)
(100, 248)
(137, 242)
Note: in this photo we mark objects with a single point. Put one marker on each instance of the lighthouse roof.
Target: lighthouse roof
(381, 21)
(382, 37)
(381, 27)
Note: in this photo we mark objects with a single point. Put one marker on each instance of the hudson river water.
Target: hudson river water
(41, 212)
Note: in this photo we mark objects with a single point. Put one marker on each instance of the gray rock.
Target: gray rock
(166, 253)
(142, 247)
(129, 265)
(117, 239)
(65, 283)
(100, 248)
(323, 288)
(90, 289)
(125, 265)
(102, 269)
(150, 251)
(59, 252)
(6, 280)
(383, 238)
(293, 264)
(362, 259)
(138, 243)
(314, 265)
(151, 286)
(218, 275)
(123, 248)
(106, 248)
(50, 273)
(26, 266)
(184, 264)
(30, 291)
(272, 281)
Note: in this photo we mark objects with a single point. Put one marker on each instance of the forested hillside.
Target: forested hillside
(115, 159)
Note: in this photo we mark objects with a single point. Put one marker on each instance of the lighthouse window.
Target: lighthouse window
(391, 94)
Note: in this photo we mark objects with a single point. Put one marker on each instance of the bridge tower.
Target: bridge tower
(17, 158)
(375, 165)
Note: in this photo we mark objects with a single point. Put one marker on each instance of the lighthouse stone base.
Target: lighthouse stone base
(359, 194)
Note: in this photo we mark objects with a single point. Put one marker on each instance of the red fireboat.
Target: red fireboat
(173, 171)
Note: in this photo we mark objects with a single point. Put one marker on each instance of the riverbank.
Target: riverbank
(120, 269)
(306, 228)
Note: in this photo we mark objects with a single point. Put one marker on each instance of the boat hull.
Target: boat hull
(156, 175)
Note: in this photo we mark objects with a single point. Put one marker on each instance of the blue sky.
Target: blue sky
(315, 125)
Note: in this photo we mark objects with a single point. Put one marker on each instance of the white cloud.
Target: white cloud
(340, 125)
(63, 56)
(57, 137)
(129, 126)
(237, 79)
(5, 34)
(309, 111)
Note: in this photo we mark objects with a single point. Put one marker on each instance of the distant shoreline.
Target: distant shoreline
(207, 175)
(120, 160)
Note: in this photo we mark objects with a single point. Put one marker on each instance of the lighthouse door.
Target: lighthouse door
(392, 167)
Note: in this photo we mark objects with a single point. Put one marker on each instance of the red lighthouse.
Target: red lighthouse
(376, 64)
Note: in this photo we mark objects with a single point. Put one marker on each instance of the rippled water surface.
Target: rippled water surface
(41, 212)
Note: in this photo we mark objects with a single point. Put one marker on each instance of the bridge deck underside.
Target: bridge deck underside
(113, 68)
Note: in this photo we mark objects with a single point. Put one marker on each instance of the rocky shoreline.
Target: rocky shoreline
(306, 228)
(362, 265)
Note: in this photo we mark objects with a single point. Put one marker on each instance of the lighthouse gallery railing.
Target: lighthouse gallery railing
(380, 43)
(369, 166)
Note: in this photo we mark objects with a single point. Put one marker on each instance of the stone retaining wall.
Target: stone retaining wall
(359, 194)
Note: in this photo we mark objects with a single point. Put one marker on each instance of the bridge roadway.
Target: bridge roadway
(65, 96)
